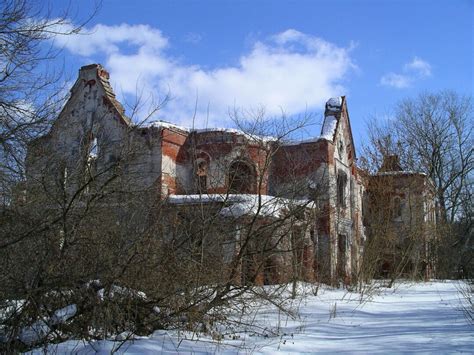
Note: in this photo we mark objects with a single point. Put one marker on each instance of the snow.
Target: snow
(205, 198)
(63, 314)
(401, 172)
(120, 291)
(413, 317)
(327, 132)
(218, 129)
(303, 141)
(244, 204)
(164, 124)
(268, 206)
(33, 333)
(329, 128)
(41, 328)
(250, 136)
(334, 103)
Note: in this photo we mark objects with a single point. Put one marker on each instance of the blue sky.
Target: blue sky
(281, 55)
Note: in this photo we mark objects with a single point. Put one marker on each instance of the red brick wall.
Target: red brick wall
(299, 161)
(172, 142)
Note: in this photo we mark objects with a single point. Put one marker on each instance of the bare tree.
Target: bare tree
(93, 239)
(30, 86)
(433, 134)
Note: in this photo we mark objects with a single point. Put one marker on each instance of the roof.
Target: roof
(238, 205)
(335, 107)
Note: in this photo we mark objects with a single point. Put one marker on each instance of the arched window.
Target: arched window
(201, 171)
(241, 178)
(201, 175)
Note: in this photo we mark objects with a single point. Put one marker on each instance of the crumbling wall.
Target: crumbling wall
(168, 160)
(224, 148)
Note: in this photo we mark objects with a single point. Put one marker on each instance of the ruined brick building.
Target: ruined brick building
(402, 208)
(314, 187)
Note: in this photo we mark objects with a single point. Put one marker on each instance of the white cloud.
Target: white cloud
(107, 39)
(291, 70)
(192, 37)
(417, 69)
(419, 66)
(396, 80)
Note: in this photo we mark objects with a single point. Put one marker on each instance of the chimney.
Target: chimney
(390, 163)
(92, 71)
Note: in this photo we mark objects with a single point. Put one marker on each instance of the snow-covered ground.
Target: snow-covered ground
(413, 317)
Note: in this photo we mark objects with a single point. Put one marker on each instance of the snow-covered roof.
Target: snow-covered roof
(267, 206)
(295, 142)
(329, 128)
(244, 204)
(250, 136)
(327, 132)
(247, 135)
(218, 129)
(401, 172)
(204, 198)
(164, 124)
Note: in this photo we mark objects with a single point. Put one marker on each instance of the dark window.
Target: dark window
(341, 256)
(202, 183)
(201, 175)
(341, 189)
(341, 148)
(241, 178)
(112, 159)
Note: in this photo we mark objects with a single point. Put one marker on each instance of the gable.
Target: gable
(337, 129)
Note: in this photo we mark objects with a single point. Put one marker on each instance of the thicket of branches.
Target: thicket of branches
(30, 87)
(73, 267)
(433, 134)
(114, 259)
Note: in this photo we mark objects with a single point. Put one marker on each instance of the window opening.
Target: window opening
(241, 178)
(341, 189)
(94, 149)
(341, 148)
(201, 173)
